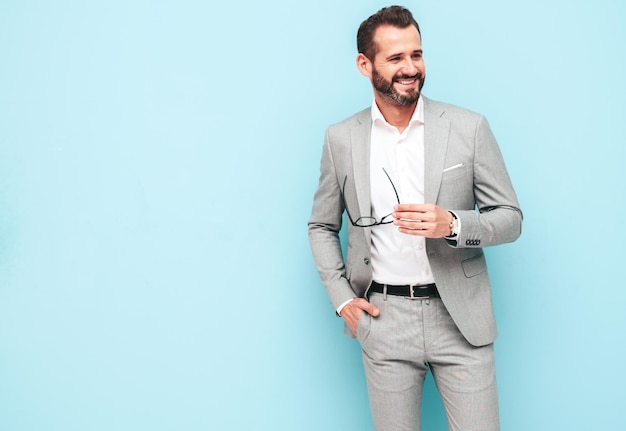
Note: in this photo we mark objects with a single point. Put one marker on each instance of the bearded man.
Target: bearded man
(424, 188)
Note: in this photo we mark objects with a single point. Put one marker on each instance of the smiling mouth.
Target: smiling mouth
(407, 80)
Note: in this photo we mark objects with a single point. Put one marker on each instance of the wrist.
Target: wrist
(454, 225)
(342, 306)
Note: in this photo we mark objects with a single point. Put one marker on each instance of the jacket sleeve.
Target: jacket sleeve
(498, 218)
(324, 226)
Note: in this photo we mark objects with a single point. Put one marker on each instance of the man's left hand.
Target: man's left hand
(427, 220)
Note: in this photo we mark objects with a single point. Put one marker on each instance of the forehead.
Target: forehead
(389, 39)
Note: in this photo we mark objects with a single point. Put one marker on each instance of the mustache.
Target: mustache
(417, 76)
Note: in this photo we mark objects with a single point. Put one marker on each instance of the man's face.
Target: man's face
(398, 72)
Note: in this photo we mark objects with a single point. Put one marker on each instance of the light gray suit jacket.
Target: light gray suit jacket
(464, 172)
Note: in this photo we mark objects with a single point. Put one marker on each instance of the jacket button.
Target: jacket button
(366, 260)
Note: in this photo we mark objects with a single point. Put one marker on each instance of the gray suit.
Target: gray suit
(464, 171)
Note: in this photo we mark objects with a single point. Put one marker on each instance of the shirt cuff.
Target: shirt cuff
(458, 233)
(343, 305)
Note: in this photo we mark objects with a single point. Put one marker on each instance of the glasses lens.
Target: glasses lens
(365, 221)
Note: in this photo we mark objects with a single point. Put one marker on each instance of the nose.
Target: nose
(409, 67)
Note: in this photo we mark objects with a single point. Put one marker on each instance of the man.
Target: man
(424, 187)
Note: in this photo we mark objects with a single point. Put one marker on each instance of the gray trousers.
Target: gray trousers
(409, 337)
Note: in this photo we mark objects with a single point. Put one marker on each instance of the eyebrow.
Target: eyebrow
(417, 51)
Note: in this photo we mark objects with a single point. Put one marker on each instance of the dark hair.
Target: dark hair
(396, 16)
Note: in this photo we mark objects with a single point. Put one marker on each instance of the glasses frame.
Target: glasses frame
(369, 221)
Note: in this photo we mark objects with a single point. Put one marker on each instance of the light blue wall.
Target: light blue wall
(157, 165)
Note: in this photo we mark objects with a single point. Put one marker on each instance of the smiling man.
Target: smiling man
(425, 188)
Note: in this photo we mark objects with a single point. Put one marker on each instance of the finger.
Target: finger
(409, 216)
(413, 224)
(350, 315)
(366, 306)
(351, 320)
(427, 233)
(410, 207)
(414, 228)
(415, 215)
(371, 309)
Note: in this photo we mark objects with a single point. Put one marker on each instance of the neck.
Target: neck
(395, 114)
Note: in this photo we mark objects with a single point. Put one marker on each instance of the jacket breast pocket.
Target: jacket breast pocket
(456, 189)
(454, 171)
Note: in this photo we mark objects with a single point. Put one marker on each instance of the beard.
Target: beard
(386, 88)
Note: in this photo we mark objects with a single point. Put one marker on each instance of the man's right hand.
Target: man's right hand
(353, 309)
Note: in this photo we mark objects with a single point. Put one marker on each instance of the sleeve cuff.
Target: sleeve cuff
(458, 232)
(342, 306)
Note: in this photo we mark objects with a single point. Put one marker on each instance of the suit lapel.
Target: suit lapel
(436, 133)
(360, 140)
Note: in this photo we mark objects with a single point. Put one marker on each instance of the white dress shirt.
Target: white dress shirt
(397, 258)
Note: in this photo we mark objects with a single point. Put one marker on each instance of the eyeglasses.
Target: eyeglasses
(369, 221)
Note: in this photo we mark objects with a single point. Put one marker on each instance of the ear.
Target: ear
(364, 65)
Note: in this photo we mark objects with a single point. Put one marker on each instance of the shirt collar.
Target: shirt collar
(418, 114)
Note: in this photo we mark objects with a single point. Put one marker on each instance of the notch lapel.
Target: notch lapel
(360, 140)
(436, 133)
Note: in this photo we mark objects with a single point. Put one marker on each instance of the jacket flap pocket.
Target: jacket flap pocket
(474, 265)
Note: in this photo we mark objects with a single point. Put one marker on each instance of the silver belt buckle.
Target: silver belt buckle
(412, 295)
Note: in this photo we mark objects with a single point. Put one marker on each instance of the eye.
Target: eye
(417, 55)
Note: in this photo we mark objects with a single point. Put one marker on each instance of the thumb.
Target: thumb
(372, 309)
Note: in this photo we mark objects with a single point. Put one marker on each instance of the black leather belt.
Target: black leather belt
(415, 291)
